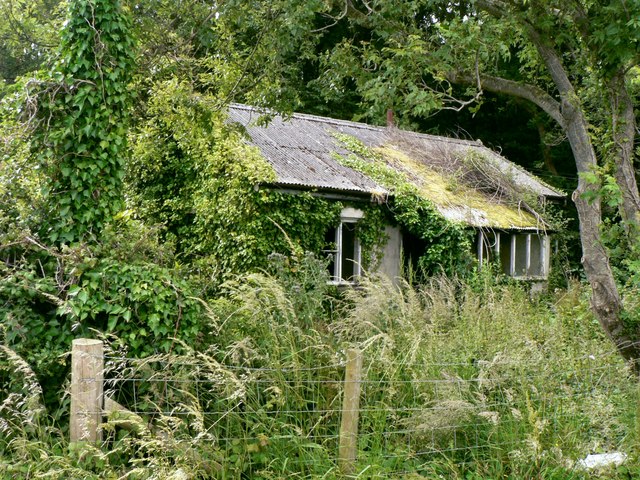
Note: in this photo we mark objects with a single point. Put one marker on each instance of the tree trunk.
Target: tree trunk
(605, 298)
(568, 112)
(624, 131)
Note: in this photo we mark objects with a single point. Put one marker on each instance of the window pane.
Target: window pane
(521, 255)
(505, 253)
(348, 250)
(535, 268)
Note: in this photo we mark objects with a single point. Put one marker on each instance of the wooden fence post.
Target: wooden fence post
(87, 366)
(348, 450)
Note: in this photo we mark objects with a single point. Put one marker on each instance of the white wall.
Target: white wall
(391, 253)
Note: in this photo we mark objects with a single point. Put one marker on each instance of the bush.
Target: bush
(50, 295)
(460, 381)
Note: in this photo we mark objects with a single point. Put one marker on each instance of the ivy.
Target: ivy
(84, 112)
(146, 305)
(64, 282)
(128, 287)
(194, 174)
(370, 231)
(448, 244)
(243, 232)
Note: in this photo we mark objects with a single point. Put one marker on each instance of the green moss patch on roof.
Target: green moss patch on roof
(455, 199)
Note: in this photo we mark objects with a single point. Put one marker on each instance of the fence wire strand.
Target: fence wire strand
(409, 417)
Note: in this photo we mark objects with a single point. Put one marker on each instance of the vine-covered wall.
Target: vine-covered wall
(195, 175)
(198, 176)
(447, 244)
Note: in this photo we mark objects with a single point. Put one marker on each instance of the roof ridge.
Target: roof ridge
(473, 143)
(351, 123)
(315, 118)
(418, 135)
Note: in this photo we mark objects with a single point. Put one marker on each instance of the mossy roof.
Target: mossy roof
(455, 199)
(302, 150)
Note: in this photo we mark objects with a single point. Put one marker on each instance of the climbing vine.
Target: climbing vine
(448, 245)
(128, 287)
(92, 268)
(370, 231)
(194, 173)
(83, 111)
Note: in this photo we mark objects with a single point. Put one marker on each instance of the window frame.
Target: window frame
(543, 254)
(348, 216)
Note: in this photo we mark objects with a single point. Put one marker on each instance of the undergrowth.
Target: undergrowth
(466, 380)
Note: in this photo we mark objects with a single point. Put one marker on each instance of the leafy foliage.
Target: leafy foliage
(126, 287)
(192, 173)
(500, 362)
(29, 30)
(83, 112)
(20, 179)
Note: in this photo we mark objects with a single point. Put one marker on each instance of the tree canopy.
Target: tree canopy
(574, 62)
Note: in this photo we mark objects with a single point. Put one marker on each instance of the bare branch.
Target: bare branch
(336, 19)
(497, 8)
(22, 32)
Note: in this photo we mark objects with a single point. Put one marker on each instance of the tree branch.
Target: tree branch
(497, 9)
(509, 87)
(342, 14)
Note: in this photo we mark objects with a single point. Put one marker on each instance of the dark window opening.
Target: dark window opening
(350, 260)
(343, 246)
(505, 253)
(520, 255)
(413, 248)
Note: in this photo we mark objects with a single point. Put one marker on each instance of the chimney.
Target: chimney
(390, 123)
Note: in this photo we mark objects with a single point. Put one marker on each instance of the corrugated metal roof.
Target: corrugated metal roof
(299, 150)
(302, 149)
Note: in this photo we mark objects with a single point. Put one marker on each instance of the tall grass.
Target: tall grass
(489, 377)
(461, 380)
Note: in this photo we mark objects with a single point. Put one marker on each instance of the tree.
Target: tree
(93, 268)
(574, 60)
(29, 31)
(599, 72)
(83, 112)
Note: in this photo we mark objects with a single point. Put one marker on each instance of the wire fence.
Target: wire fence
(412, 417)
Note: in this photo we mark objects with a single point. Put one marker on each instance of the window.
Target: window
(344, 247)
(521, 255)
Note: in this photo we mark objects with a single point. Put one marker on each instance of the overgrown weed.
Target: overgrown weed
(464, 380)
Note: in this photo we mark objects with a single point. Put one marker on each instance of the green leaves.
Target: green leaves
(193, 173)
(82, 143)
(615, 35)
(161, 304)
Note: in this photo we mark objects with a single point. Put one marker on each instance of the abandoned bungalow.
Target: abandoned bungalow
(499, 203)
